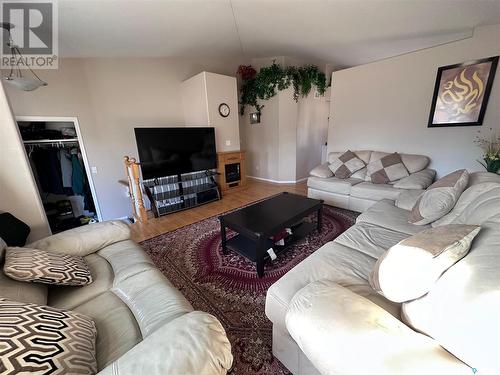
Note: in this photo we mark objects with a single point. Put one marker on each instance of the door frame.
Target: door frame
(81, 143)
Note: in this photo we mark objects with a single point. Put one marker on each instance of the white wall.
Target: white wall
(18, 192)
(110, 97)
(385, 105)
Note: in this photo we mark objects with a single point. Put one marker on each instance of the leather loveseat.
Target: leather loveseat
(358, 192)
(144, 324)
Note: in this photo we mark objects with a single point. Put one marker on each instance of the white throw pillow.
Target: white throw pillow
(439, 198)
(409, 269)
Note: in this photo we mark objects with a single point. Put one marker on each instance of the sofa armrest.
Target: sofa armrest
(342, 332)
(194, 343)
(321, 171)
(86, 239)
(419, 180)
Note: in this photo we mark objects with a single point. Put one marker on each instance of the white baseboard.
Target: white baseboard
(277, 181)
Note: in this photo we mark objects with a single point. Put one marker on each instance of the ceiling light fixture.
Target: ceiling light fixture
(15, 78)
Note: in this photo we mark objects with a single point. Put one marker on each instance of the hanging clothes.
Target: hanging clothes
(66, 168)
(47, 160)
(77, 177)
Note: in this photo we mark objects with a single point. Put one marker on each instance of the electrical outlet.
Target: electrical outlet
(93, 170)
(228, 143)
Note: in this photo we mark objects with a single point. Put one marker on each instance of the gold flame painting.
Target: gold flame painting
(461, 93)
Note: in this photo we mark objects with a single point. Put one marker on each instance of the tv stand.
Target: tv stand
(171, 194)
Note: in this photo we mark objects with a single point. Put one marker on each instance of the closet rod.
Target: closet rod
(38, 141)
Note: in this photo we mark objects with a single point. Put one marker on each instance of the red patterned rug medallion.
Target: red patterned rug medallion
(227, 286)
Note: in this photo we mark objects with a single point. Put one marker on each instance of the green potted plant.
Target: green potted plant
(270, 79)
(491, 150)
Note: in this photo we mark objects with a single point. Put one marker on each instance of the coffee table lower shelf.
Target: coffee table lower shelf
(247, 247)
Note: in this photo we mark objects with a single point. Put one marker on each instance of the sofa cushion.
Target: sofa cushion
(333, 184)
(41, 339)
(462, 309)
(341, 332)
(321, 171)
(419, 181)
(387, 169)
(385, 214)
(370, 239)
(346, 164)
(86, 239)
(476, 178)
(439, 198)
(332, 261)
(375, 192)
(476, 205)
(44, 267)
(67, 297)
(117, 329)
(409, 269)
(407, 199)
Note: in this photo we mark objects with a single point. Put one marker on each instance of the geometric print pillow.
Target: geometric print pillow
(346, 164)
(45, 267)
(387, 169)
(44, 340)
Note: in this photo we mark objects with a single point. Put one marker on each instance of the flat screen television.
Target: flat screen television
(174, 151)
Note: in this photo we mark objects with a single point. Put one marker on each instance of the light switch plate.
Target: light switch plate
(228, 143)
(93, 170)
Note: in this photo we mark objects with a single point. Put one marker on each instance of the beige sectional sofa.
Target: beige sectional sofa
(328, 320)
(358, 193)
(144, 324)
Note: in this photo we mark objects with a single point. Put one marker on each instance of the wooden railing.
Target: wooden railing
(135, 189)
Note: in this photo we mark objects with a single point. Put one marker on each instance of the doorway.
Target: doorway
(56, 154)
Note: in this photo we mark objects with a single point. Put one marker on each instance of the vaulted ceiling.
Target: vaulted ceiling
(345, 33)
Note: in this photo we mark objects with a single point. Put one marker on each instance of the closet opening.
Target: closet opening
(55, 153)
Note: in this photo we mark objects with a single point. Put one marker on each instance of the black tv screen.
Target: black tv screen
(172, 151)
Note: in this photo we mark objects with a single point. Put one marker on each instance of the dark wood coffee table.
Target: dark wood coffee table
(255, 225)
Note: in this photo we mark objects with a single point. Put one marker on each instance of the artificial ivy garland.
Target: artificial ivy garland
(264, 84)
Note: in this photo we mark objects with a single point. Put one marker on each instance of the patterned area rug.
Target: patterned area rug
(227, 286)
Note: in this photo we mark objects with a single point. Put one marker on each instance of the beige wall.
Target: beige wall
(194, 101)
(312, 133)
(18, 192)
(110, 97)
(385, 105)
(201, 97)
(223, 89)
(286, 145)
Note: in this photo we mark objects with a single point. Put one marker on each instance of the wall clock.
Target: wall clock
(224, 110)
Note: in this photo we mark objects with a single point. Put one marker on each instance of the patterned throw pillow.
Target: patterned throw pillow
(387, 169)
(346, 164)
(45, 267)
(43, 340)
(409, 269)
(439, 198)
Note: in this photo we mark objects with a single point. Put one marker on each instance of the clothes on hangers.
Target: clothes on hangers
(78, 176)
(48, 167)
(66, 167)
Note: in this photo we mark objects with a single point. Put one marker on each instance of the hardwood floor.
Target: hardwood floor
(254, 191)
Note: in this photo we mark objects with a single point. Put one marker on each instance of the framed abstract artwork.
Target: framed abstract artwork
(461, 93)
